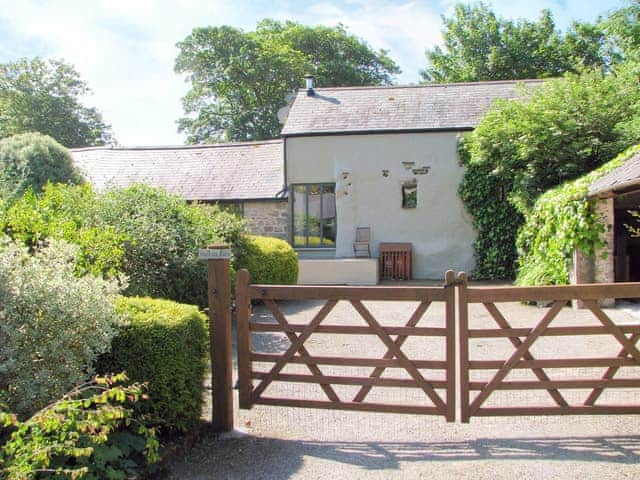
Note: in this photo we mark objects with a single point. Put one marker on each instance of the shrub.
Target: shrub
(269, 260)
(32, 160)
(163, 236)
(92, 432)
(562, 220)
(68, 213)
(520, 149)
(52, 323)
(164, 344)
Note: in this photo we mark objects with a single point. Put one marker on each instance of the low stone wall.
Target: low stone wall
(268, 218)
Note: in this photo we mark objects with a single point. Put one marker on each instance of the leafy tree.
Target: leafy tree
(521, 149)
(621, 30)
(239, 80)
(480, 46)
(31, 160)
(43, 96)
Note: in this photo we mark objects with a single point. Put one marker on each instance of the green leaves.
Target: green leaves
(239, 80)
(480, 46)
(561, 221)
(562, 129)
(91, 433)
(44, 96)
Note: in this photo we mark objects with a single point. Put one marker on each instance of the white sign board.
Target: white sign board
(212, 254)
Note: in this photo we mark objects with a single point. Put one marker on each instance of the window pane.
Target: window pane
(328, 216)
(314, 214)
(299, 214)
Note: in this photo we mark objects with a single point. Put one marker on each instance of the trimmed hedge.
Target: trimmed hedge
(269, 260)
(164, 344)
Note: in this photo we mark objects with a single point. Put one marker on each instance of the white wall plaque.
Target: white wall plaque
(214, 253)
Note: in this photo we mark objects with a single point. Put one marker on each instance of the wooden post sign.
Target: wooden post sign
(219, 294)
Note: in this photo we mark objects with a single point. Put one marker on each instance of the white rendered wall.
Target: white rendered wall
(439, 228)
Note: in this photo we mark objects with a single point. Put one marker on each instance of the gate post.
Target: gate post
(463, 318)
(219, 294)
(450, 324)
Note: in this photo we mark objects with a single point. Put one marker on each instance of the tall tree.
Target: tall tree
(239, 80)
(43, 96)
(478, 45)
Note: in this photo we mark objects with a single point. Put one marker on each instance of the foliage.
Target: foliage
(163, 236)
(239, 80)
(140, 232)
(162, 343)
(480, 46)
(269, 260)
(45, 96)
(52, 323)
(621, 31)
(559, 131)
(91, 433)
(68, 213)
(31, 160)
(562, 220)
(494, 218)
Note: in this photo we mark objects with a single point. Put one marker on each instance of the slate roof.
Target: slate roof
(231, 171)
(454, 106)
(626, 175)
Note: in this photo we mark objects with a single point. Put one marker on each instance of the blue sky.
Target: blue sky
(125, 49)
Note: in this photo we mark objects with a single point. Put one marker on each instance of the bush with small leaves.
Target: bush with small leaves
(53, 324)
(163, 343)
(269, 260)
(33, 160)
(93, 432)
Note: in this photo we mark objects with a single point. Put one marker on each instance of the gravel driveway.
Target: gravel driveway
(289, 443)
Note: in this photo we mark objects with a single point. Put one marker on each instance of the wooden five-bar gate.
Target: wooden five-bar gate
(393, 338)
(437, 396)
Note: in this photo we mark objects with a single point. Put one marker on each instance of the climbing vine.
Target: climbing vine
(562, 220)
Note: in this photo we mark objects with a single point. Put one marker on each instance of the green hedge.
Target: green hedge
(269, 260)
(163, 344)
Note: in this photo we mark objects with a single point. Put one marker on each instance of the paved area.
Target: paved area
(289, 443)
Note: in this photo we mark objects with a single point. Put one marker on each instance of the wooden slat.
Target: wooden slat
(517, 355)
(280, 318)
(348, 380)
(360, 407)
(463, 348)
(578, 410)
(243, 313)
(313, 292)
(450, 353)
(409, 367)
(350, 362)
(554, 384)
(399, 341)
(350, 329)
(549, 332)
(550, 293)
(516, 342)
(555, 363)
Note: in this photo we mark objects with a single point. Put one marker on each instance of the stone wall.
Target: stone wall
(268, 218)
(601, 268)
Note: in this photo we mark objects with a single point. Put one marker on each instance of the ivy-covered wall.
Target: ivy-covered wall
(563, 220)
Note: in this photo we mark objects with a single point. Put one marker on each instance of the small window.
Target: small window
(410, 195)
